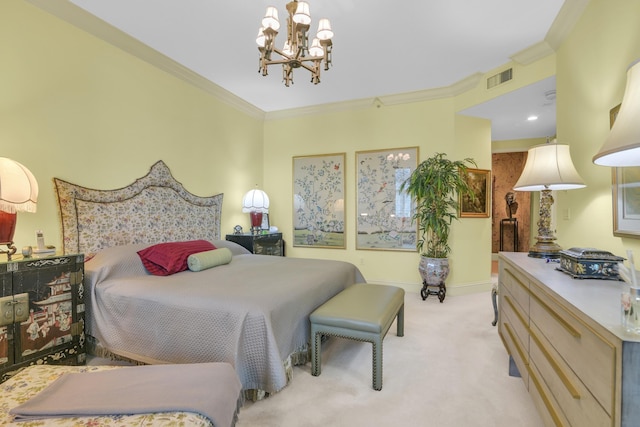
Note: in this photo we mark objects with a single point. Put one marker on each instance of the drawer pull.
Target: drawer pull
(514, 339)
(563, 377)
(573, 331)
(516, 279)
(517, 312)
(545, 399)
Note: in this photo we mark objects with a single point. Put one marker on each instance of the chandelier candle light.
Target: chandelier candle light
(296, 52)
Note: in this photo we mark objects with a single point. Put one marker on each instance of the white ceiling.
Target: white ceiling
(381, 47)
(510, 113)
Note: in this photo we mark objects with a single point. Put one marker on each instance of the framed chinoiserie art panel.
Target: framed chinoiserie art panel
(318, 201)
(384, 214)
(479, 181)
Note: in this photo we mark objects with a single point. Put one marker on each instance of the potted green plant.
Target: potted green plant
(435, 186)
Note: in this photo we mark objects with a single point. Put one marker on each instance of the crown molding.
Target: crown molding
(397, 99)
(78, 17)
(335, 107)
(533, 53)
(65, 10)
(567, 18)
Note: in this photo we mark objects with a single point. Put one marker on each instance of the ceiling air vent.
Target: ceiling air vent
(500, 78)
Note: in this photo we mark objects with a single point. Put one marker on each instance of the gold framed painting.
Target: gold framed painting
(479, 206)
(318, 201)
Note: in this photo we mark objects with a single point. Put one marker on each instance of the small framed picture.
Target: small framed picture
(479, 181)
(265, 222)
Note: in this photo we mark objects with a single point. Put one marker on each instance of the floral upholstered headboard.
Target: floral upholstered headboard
(155, 208)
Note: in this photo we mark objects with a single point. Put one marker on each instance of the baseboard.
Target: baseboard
(452, 290)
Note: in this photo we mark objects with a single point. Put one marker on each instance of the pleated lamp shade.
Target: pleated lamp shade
(549, 166)
(255, 201)
(622, 146)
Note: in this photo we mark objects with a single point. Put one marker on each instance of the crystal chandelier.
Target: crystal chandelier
(296, 52)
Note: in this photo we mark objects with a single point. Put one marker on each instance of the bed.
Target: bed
(252, 312)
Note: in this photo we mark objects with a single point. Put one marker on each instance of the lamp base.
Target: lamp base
(7, 229)
(544, 249)
(11, 249)
(256, 222)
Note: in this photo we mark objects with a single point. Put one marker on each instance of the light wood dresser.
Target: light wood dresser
(565, 336)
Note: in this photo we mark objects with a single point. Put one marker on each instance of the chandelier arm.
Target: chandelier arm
(313, 68)
(278, 61)
(281, 53)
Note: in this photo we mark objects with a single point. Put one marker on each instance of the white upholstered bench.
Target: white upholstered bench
(362, 312)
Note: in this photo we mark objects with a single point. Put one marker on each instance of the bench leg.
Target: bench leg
(316, 351)
(377, 363)
(400, 320)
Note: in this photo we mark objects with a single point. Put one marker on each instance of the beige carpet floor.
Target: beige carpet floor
(450, 369)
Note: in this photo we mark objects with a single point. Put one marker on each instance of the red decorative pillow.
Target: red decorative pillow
(164, 259)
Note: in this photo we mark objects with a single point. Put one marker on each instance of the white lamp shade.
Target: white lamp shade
(549, 166)
(255, 201)
(316, 50)
(622, 146)
(286, 49)
(324, 29)
(260, 39)
(18, 187)
(270, 19)
(302, 15)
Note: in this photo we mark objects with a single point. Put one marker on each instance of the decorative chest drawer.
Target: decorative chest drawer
(589, 263)
(260, 244)
(41, 312)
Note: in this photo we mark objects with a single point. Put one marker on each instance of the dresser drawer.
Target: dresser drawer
(591, 358)
(518, 320)
(517, 285)
(570, 394)
(548, 407)
(515, 347)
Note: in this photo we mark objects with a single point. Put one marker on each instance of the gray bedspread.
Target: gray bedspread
(252, 312)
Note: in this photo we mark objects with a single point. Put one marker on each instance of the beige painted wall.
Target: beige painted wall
(430, 125)
(79, 109)
(591, 76)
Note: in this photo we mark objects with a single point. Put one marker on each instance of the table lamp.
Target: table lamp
(255, 202)
(622, 146)
(18, 193)
(548, 167)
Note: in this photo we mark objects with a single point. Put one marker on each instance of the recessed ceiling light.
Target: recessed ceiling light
(532, 118)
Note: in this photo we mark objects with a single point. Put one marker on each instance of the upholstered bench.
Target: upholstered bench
(362, 312)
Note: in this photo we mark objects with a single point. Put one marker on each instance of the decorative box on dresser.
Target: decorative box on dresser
(565, 336)
(260, 244)
(41, 312)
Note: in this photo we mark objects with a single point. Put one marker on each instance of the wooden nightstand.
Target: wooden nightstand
(260, 244)
(42, 312)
